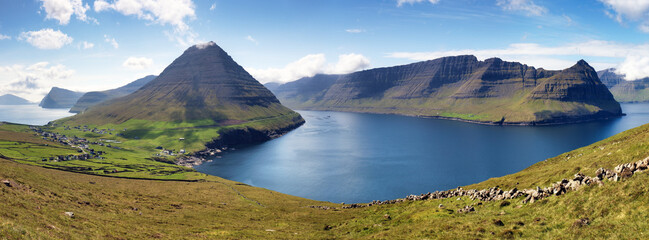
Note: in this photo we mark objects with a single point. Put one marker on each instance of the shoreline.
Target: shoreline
(230, 138)
(553, 122)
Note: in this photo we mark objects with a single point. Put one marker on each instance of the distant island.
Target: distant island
(492, 91)
(623, 90)
(10, 99)
(60, 98)
(93, 98)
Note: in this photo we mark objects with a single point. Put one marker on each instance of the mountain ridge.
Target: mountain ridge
(60, 98)
(92, 98)
(625, 91)
(203, 83)
(10, 99)
(492, 91)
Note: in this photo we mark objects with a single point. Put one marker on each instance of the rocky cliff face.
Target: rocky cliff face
(204, 83)
(92, 98)
(623, 90)
(60, 98)
(461, 87)
(10, 99)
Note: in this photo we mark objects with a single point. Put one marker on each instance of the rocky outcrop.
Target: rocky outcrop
(461, 87)
(623, 90)
(93, 98)
(60, 98)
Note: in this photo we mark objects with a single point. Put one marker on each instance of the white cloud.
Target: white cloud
(172, 12)
(213, 7)
(401, 2)
(164, 12)
(349, 63)
(633, 10)
(46, 38)
(87, 45)
(555, 57)
(309, 66)
(634, 67)
(526, 6)
(137, 63)
(355, 30)
(62, 10)
(205, 44)
(112, 41)
(3, 37)
(251, 39)
(34, 81)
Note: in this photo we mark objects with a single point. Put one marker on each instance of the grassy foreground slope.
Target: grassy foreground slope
(216, 208)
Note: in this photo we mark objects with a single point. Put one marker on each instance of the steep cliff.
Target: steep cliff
(623, 90)
(60, 98)
(92, 98)
(461, 87)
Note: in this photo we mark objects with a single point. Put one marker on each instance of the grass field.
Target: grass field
(215, 208)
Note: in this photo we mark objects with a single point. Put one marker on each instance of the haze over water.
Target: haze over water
(355, 157)
(31, 114)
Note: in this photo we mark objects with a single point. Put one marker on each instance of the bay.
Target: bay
(356, 157)
(31, 114)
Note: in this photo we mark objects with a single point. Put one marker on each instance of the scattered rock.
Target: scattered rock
(69, 214)
(387, 217)
(327, 228)
(499, 223)
(441, 206)
(466, 209)
(581, 223)
(7, 183)
(504, 203)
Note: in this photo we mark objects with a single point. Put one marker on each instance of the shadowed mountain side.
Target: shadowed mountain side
(203, 83)
(623, 90)
(60, 98)
(93, 98)
(10, 99)
(461, 87)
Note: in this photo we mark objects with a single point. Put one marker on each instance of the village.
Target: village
(83, 146)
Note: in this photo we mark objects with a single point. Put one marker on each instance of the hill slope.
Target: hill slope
(60, 98)
(93, 98)
(33, 202)
(622, 90)
(461, 87)
(9, 99)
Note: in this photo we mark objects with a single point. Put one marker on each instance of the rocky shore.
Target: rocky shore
(528, 195)
(234, 137)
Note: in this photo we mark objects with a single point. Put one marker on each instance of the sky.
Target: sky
(90, 45)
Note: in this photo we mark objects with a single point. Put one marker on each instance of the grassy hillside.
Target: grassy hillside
(129, 148)
(216, 208)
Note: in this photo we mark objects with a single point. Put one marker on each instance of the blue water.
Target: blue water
(31, 114)
(355, 157)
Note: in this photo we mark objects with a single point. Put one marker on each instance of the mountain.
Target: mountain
(492, 91)
(10, 99)
(60, 98)
(622, 90)
(92, 98)
(203, 84)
